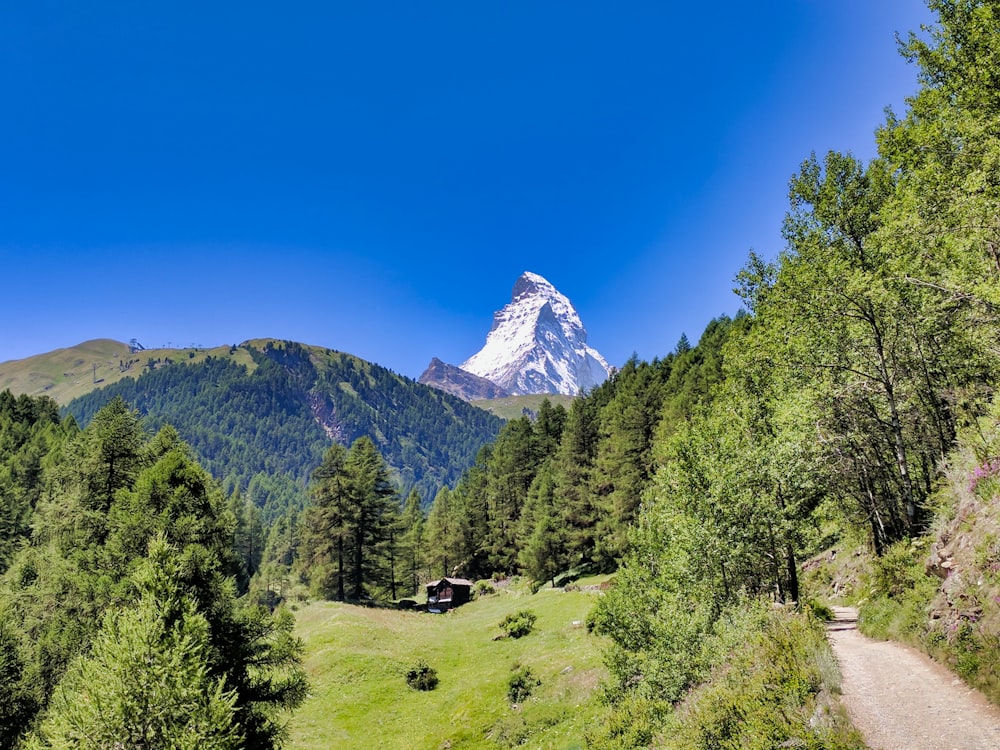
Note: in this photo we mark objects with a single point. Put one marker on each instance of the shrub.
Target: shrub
(422, 677)
(518, 624)
(820, 610)
(770, 686)
(521, 684)
(483, 588)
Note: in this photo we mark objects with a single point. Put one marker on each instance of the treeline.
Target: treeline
(558, 492)
(264, 431)
(121, 620)
(554, 494)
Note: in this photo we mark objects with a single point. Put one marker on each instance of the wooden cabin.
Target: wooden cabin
(448, 593)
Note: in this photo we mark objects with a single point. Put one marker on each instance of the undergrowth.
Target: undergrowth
(941, 593)
(771, 681)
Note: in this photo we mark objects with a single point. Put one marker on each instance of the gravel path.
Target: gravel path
(901, 700)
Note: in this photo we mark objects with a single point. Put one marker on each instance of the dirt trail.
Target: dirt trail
(901, 700)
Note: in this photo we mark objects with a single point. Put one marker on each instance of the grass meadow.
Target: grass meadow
(357, 659)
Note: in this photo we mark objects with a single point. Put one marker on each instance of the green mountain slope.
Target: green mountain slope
(512, 407)
(65, 374)
(261, 414)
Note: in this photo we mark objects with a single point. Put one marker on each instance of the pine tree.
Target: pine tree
(411, 542)
(373, 512)
(326, 526)
(146, 682)
(542, 543)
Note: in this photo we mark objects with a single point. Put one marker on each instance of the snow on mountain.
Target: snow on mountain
(538, 344)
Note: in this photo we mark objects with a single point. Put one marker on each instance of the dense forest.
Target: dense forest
(843, 402)
(265, 430)
(121, 616)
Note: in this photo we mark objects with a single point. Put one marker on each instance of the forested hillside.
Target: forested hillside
(264, 428)
(560, 491)
(120, 623)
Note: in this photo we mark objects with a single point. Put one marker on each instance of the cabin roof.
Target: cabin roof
(452, 581)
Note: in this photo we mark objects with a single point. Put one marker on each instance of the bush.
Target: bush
(483, 588)
(422, 677)
(820, 610)
(521, 684)
(518, 624)
(770, 686)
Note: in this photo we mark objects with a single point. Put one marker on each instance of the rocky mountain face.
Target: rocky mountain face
(458, 382)
(537, 345)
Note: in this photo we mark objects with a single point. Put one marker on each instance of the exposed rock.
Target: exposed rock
(458, 382)
(538, 344)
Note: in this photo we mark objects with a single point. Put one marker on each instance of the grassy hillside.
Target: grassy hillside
(66, 374)
(357, 659)
(512, 407)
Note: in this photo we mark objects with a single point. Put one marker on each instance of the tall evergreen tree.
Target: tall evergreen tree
(510, 471)
(573, 466)
(373, 512)
(411, 542)
(145, 682)
(82, 554)
(625, 461)
(326, 526)
(353, 518)
(542, 545)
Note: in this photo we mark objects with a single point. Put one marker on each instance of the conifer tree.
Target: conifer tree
(145, 682)
(573, 465)
(411, 542)
(78, 567)
(625, 460)
(443, 534)
(542, 542)
(326, 526)
(373, 512)
(18, 695)
(510, 471)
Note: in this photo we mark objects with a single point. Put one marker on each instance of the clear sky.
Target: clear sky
(374, 176)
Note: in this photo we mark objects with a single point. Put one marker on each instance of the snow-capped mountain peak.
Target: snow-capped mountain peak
(538, 344)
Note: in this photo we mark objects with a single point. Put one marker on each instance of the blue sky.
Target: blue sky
(373, 177)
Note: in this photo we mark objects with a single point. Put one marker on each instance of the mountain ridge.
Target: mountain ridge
(260, 414)
(537, 344)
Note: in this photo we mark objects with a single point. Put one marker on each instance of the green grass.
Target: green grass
(357, 660)
(512, 407)
(65, 374)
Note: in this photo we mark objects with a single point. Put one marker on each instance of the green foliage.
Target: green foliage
(518, 624)
(411, 542)
(820, 610)
(145, 682)
(30, 436)
(769, 687)
(18, 696)
(271, 423)
(542, 539)
(349, 534)
(421, 676)
(483, 588)
(112, 491)
(521, 684)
